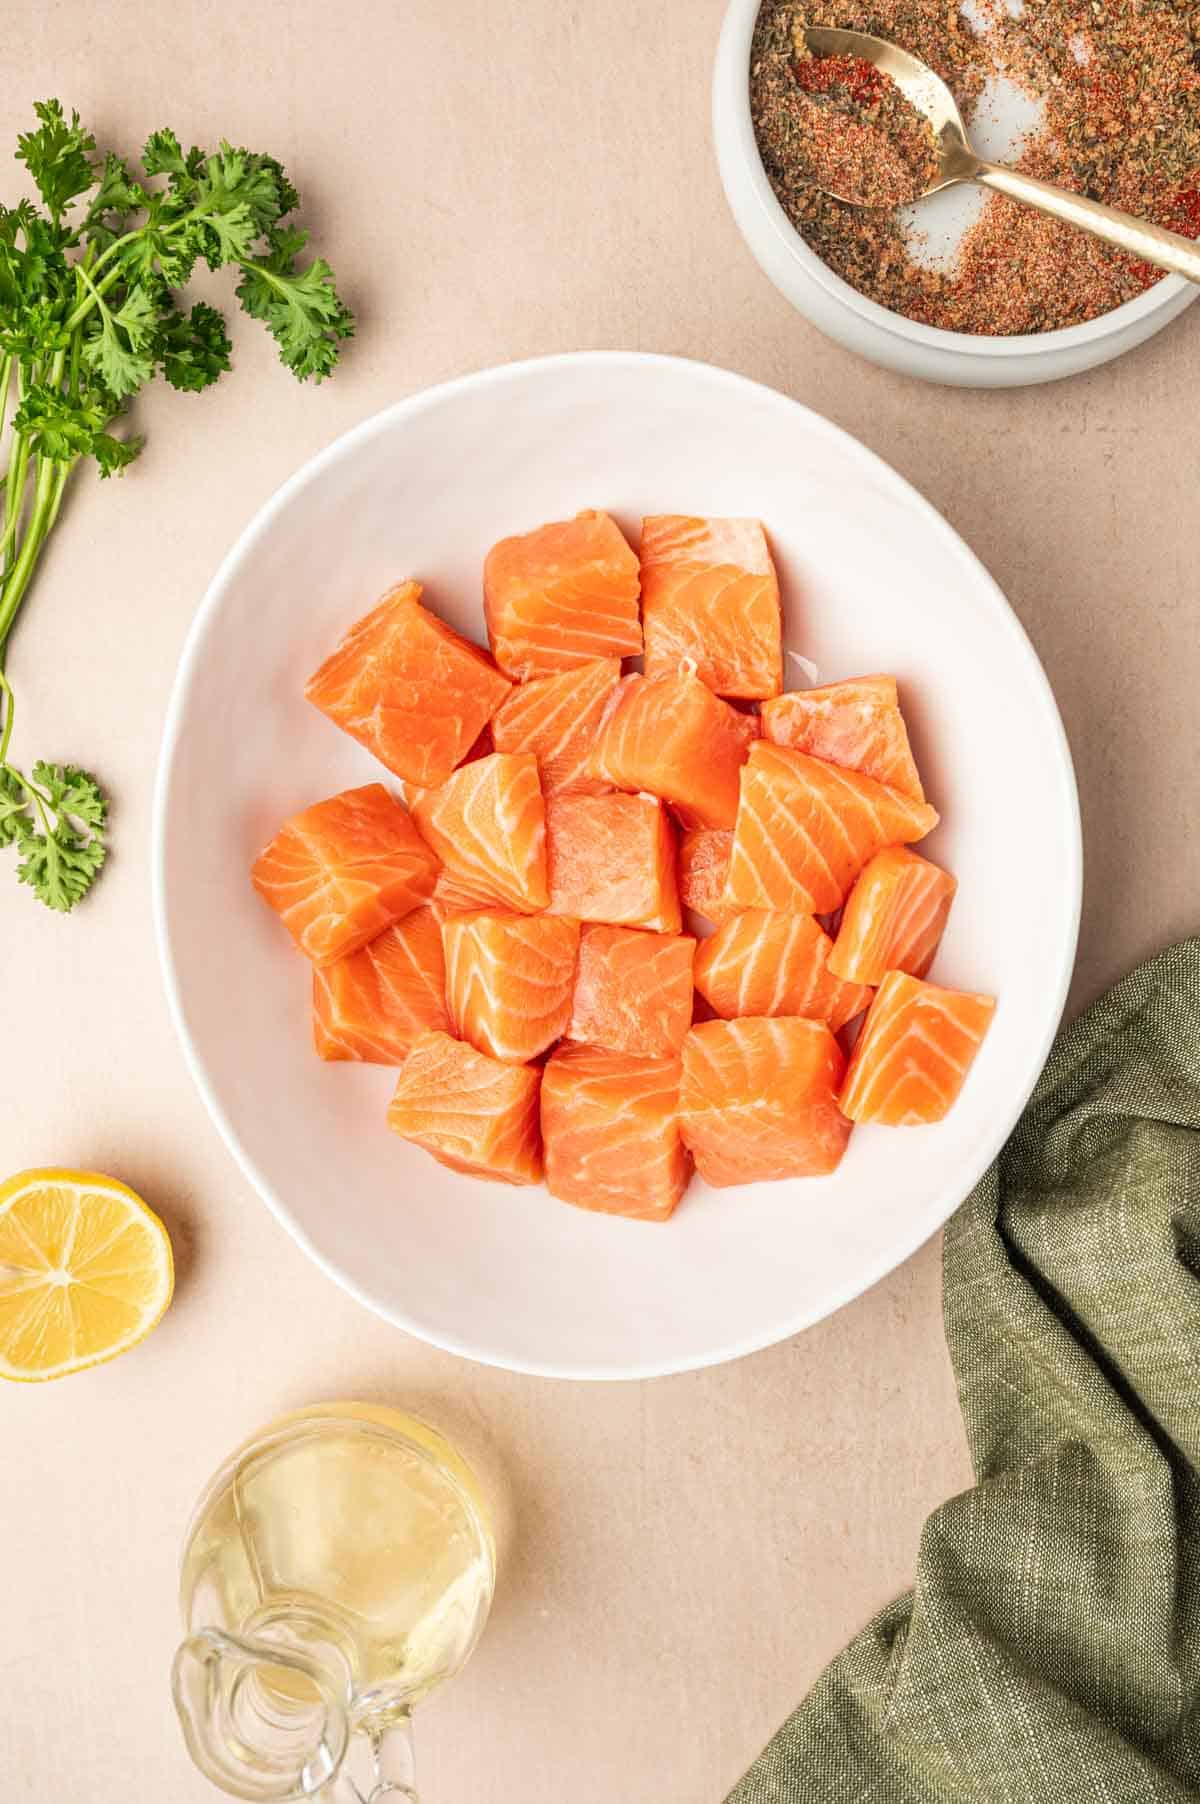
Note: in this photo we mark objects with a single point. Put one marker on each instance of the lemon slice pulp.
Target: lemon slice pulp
(85, 1272)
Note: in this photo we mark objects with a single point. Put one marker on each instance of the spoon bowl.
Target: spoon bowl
(923, 89)
(958, 162)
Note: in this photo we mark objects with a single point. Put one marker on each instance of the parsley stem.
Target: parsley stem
(101, 288)
(14, 500)
(40, 802)
(62, 475)
(96, 294)
(9, 707)
(13, 593)
(7, 365)
(98, 290)
(164, 231)
(76, 352)
(116, 245)
(46, 497)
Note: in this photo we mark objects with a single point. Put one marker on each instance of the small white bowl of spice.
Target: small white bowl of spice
(964, 287)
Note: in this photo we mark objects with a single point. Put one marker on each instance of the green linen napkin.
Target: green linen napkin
(1051, 1647)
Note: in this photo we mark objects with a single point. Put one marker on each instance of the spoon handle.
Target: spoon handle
(1168, 250)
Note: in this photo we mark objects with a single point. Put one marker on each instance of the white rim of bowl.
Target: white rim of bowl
(943, 1205)
(731, 87)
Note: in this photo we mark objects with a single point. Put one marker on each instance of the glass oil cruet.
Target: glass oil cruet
(338, 1567)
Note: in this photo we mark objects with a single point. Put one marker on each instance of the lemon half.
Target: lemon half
(85, 1272)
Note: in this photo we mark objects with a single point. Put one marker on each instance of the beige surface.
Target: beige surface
(492, 181)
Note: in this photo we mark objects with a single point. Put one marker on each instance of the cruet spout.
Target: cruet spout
(262, 1721)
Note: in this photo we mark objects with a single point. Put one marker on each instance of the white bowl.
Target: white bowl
(861, 324)
(875, 580)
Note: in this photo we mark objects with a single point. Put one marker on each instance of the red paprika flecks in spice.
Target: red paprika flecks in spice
(857, 134)
(1186, 217)
(819, 74)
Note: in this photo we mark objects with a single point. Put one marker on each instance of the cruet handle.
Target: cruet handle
(379, 1767)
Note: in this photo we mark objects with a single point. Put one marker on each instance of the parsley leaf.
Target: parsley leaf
(57, 156)
(15, 823)
(56, 426)
(155, 254)
(137, 316)
(122, 367)
(117, 195)
(35, 282)
(194, 348)
(60, 867)
(234, 180)
(89, 313)
(163, 154)
(300, 308)
(114, 454)
(56, 821)
(74, 794)
(116, 191)
(288, 197)
(120, 348)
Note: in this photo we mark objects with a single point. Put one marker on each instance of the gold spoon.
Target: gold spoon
(957, 162)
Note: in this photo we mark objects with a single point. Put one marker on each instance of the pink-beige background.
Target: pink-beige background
(494, 180)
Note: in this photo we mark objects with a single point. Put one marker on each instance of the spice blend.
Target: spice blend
(859, 136)
(1118, 82)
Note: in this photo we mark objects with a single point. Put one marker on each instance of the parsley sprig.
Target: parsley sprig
(89, 313)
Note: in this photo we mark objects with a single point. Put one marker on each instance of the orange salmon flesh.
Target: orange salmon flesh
(710, 604)
(618, 923)
(409, 688)
(339, 873)
(373, 1004)
(562, 596)
(913, 1055)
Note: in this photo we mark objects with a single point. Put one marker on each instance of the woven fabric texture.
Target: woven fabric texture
(1050, 1649)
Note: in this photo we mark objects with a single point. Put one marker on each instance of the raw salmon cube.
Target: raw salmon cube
(775, 964)
(759, 1100)
(562, 596)
(373, 1004)
(487, 824)
(409, 688)
(912, 1057)
(470, 1111)
(612, 858)
(710, 603)
(671, 737)
(509, 981)
(610, 1128)
(857, 725)
(455, 896)
(412, 793)
(805, 829)
(894, 918)
(343, 870)
(557, 718)
(703, 868)
(633, 992)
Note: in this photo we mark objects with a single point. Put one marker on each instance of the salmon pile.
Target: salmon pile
(623, 924)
